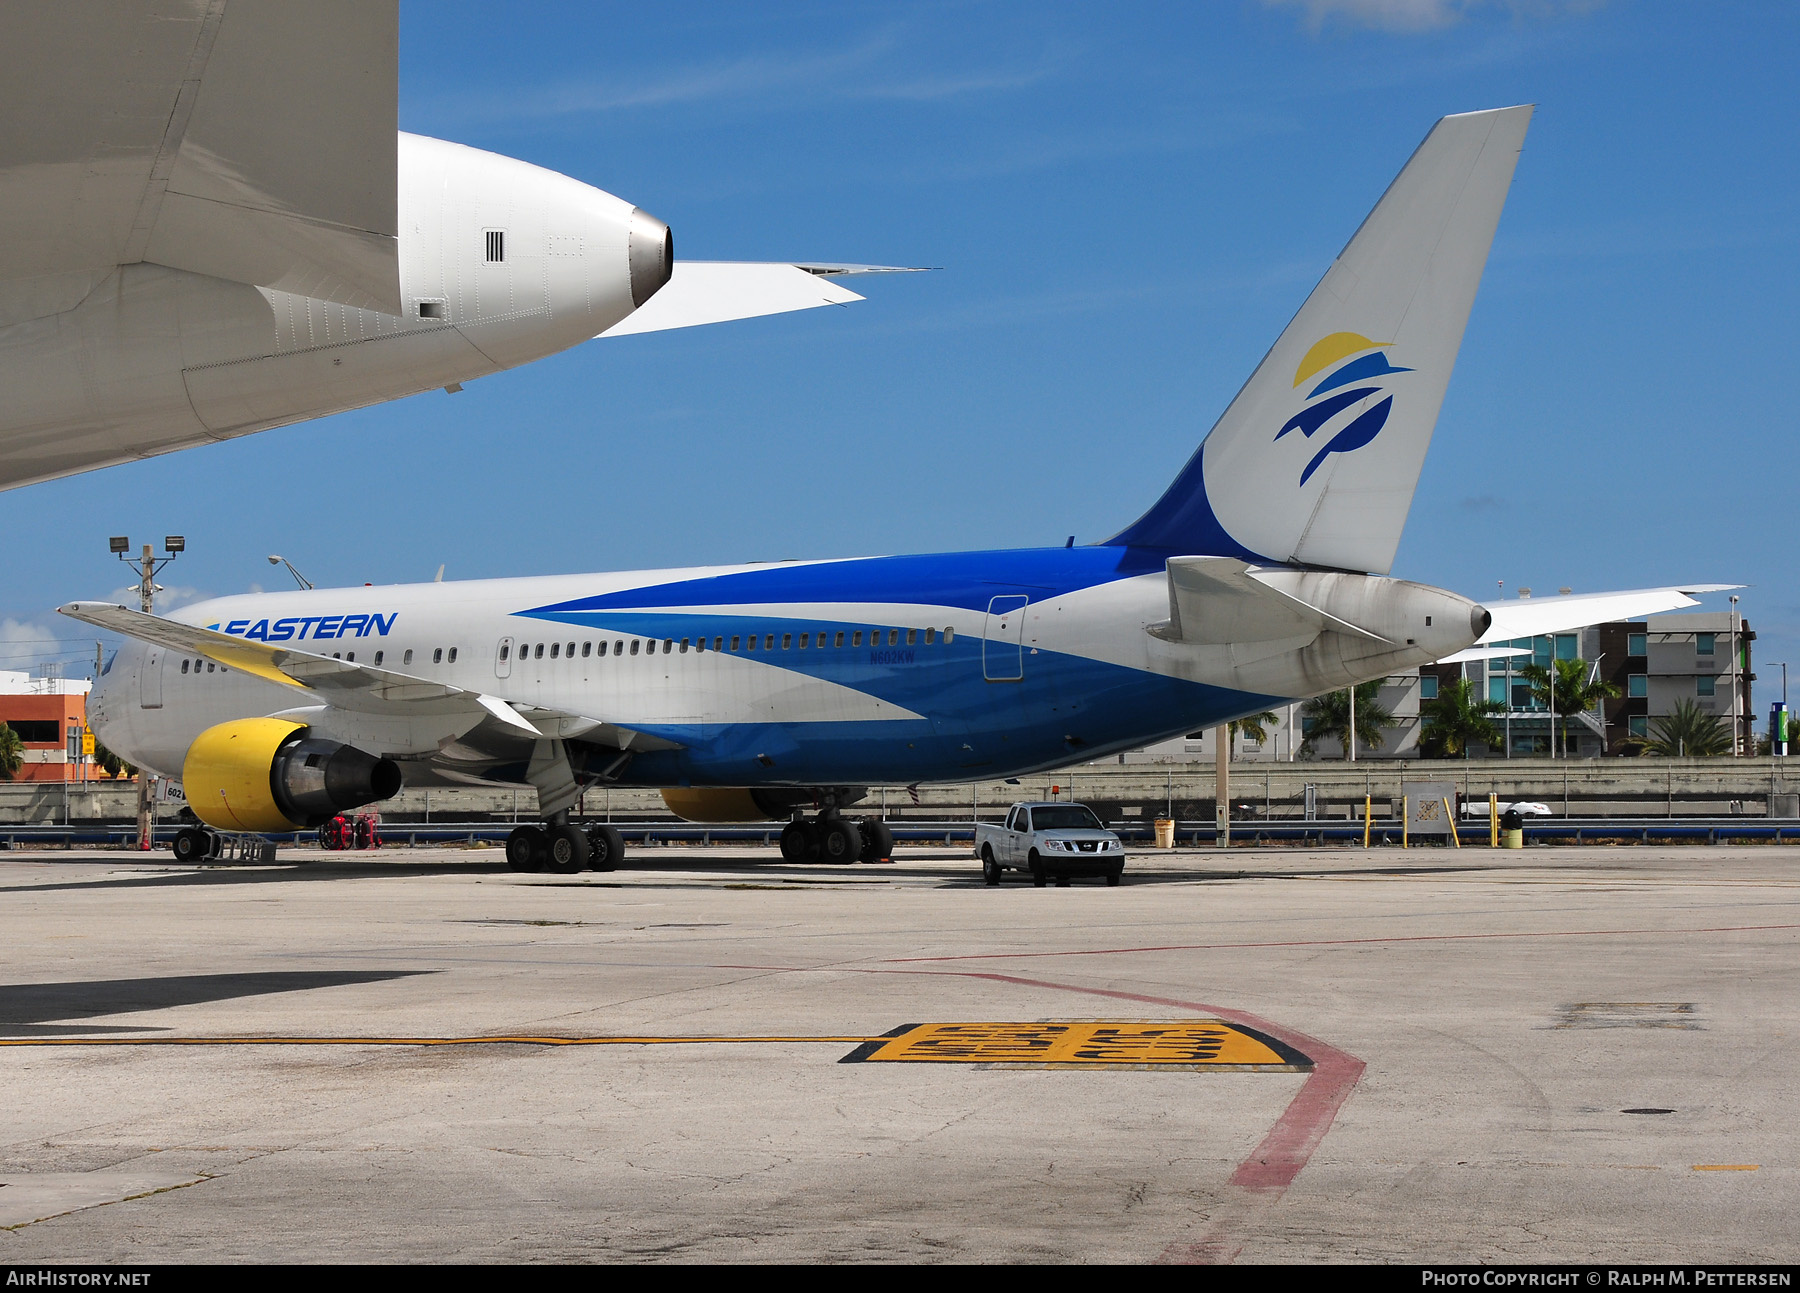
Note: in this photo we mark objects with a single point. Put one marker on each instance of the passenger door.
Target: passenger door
(1003, 639)
(150, 678)
(503, 658)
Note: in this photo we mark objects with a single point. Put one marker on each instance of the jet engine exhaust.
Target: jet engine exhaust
(314, 780)
(650, 252)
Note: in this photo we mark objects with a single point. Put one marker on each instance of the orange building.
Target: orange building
(41, 711)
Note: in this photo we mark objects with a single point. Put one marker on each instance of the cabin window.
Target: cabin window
(603, 648)
(912, 637)
(554, 646)
(452, 655)
(949, 634)
(184, 666)
(737, 642)
(437, 655)
(930, 636)
(699, 644)
(618, 647)
(837, 640)
(634, 646)
(570, 651)
(787, 641)
(379, 654)
(505, 651)
(856, 638)
(587, 649)
(718, 644)
(351, 655)
(537, 652)
(893, 637)
(337, 655)
(684, 646)
(668, 645)
(407, 658)
(803, 638)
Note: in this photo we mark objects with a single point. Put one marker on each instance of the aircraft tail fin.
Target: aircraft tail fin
(1315, 461)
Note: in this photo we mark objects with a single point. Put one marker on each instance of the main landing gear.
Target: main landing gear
(837, 840)
(564, 848)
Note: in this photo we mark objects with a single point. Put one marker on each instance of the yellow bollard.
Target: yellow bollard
(1455, 834)
(1493, 820)
(1365, 821)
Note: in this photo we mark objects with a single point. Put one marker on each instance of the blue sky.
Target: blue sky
(1127, 203)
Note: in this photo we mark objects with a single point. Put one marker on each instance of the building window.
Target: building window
(1638, 724)
(1703, 643)
(1637, 644)
(1637, 686)
(1497, 690)
(1704, 686)
(1427, 688)
(1567, 646)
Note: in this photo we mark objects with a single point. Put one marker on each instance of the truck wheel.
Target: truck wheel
(990, 869)
(1114, 876)
(1036, 863)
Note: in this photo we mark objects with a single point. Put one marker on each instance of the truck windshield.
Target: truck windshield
(1064, 817)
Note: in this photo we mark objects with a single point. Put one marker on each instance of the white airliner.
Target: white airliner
(751, 692)
(210, 225)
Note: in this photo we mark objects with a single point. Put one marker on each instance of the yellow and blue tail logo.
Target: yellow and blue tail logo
(1369, 364)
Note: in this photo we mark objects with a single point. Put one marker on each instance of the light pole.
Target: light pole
(147, 565)
(276, 559)
(1737, 725)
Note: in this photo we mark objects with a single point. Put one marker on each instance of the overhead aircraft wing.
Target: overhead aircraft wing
(1220, 601)
(252, 140)
(717, 291)
(348, 684)
(1527, 617)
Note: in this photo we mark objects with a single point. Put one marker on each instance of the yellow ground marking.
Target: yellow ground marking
(1091, 1043)
(1726, 1167)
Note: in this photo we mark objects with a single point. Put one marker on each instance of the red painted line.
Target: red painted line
(1333, 942)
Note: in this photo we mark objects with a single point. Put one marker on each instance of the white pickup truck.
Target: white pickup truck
(1054, 841)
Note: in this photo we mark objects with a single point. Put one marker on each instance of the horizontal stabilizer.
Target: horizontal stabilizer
(1530, 616)
(1218, 601)
(717, 291)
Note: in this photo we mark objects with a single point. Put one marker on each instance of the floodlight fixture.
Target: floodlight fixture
(174, 543)
(119, 543)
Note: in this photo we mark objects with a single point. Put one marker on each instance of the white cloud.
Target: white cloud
(1421, 15)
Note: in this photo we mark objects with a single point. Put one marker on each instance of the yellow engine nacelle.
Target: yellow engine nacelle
(264, 774)
(732, 804)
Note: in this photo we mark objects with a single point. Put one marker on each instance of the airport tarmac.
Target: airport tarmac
(1561, 1054)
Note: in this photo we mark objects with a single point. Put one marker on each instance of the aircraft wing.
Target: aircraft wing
(1533, 616)
(349, 684)
(717, 291)
(252, 140)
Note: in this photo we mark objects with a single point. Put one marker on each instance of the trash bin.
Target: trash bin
(1165, 832)
(1512, 830)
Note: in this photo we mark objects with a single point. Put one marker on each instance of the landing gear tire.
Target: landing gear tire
(525, 849)
(191, 845)
(1038, 877)
(799, 842)
(566, 850)
(990, 869)
(606, 848)
(839, 841)
(877, 841)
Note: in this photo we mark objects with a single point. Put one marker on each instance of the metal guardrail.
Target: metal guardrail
(1575, 830)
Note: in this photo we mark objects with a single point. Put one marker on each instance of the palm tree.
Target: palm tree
(1330, 715)
(1456, 718)
(1690, 730)
(1254, 726)
(1572, 688)
(12, 753)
